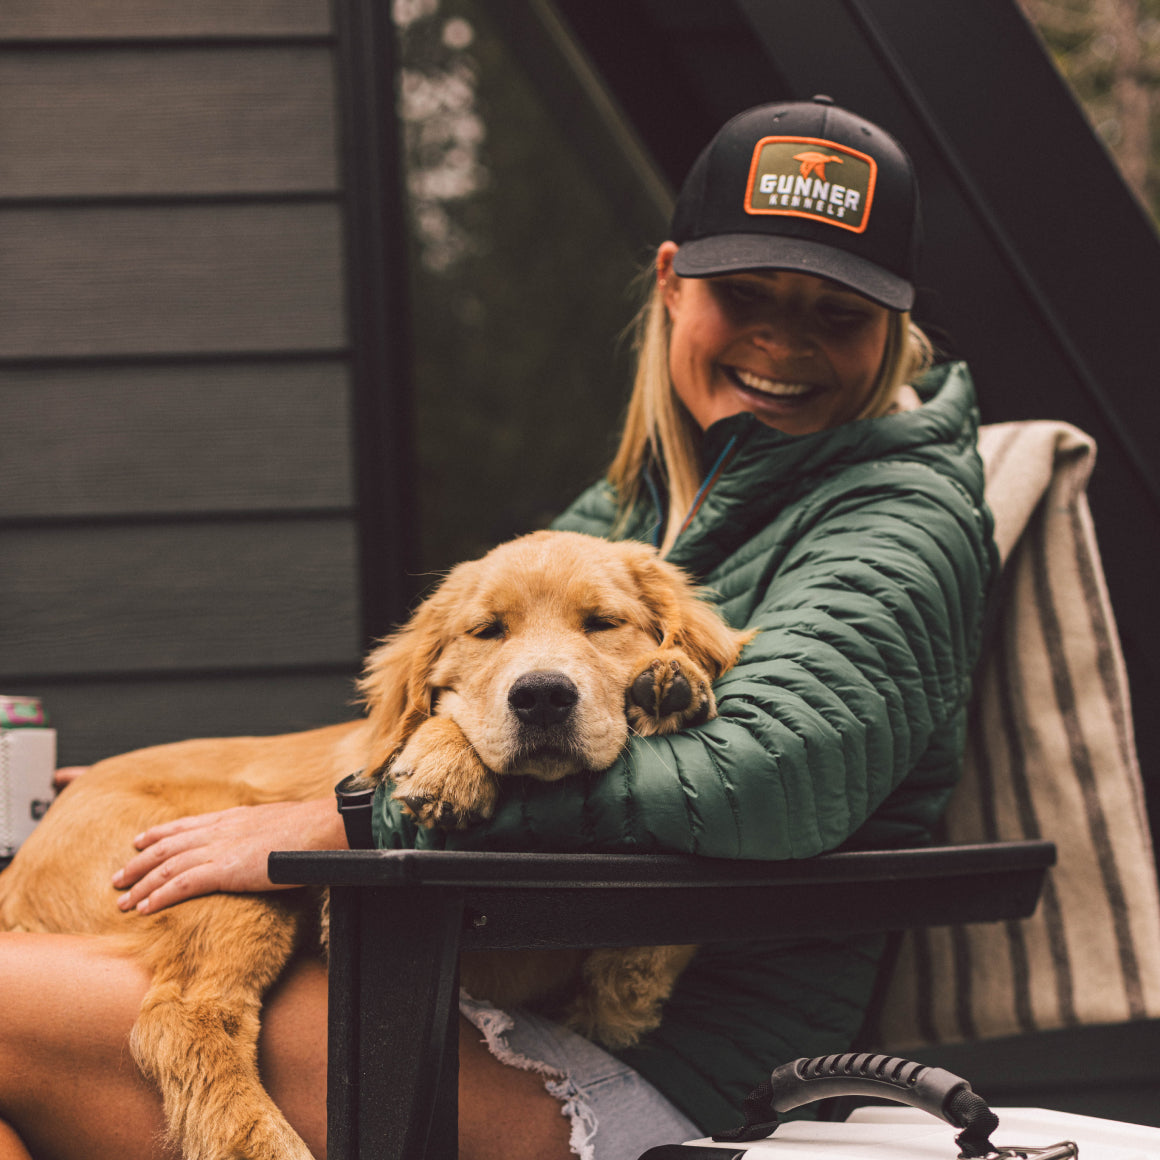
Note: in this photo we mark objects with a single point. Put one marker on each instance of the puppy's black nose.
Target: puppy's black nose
(543, 697)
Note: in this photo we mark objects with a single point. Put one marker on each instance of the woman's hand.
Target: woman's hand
(223, 851)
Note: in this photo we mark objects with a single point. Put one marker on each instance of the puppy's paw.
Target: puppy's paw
(438, 812)
(623, 990)
(440, 780)
(670, 693)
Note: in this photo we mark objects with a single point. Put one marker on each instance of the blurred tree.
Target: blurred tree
(1109, 51)
(521, 288)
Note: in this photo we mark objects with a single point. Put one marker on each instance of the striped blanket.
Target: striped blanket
(1050, 755)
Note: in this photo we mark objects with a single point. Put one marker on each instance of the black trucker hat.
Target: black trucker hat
(804, 186)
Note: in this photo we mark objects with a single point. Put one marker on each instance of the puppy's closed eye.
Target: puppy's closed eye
(596, 622)
(493, 629)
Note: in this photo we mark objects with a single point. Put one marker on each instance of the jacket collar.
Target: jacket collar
(768, 469)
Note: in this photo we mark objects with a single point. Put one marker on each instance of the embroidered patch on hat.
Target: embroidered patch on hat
(811, 178)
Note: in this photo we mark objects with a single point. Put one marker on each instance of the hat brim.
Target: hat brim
(734, 253)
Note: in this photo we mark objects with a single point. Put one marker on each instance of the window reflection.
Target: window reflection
(521, 271)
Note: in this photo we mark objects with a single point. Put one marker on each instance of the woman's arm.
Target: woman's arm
(222, 851)
(870, 611)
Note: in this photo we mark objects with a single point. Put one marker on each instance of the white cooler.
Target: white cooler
(965, 1126)
(909, 1134)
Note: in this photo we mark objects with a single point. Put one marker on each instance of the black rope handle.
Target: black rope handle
(932, 1089)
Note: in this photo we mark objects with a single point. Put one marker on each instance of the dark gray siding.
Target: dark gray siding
(178, 528)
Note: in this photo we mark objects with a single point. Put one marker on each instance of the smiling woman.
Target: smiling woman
(770, 304)
(800, 353)
(768, 452)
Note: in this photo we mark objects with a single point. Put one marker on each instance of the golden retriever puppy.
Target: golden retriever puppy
(536, 660)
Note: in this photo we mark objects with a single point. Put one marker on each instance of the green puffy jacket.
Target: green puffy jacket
(864, 555)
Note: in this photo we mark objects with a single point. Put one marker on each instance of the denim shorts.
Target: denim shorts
(615, 1113)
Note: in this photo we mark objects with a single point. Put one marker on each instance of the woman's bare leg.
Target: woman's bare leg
(68, 1085)
(292, 1050)
(10, 1146)
(503, 1112)
(69, 1088)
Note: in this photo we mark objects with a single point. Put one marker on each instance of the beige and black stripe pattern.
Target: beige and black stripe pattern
(1050, 754)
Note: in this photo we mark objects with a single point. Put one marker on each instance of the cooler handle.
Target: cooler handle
(932, 1089)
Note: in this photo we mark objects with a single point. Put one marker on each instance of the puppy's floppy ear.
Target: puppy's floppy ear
(396, 681)
(682, 619)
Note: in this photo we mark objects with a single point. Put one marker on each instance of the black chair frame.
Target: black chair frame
(398, 920)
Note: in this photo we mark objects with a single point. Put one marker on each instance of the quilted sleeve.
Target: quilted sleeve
(869, 599)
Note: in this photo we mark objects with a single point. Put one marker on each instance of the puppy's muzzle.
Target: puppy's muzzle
(543, 698)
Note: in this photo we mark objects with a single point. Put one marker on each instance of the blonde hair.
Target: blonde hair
(659, 429)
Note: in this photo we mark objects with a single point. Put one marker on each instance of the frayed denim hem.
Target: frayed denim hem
(613, 1111)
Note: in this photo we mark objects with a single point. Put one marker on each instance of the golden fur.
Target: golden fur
(521, 663)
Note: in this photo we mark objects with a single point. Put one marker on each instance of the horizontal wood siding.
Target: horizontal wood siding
(115, 441)
(109, 281)
(178, 521)
(170, 120)
(157, 598)
(101, 19)
(95, 719)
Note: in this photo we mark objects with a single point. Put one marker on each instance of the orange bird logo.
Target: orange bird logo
(815, 163)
